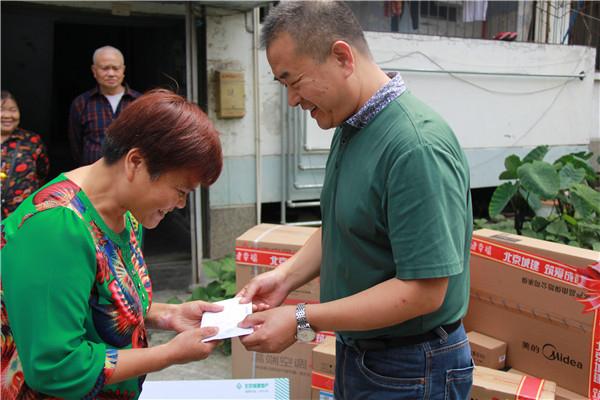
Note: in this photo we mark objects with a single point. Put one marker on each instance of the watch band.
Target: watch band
(301, 319)
(304, 332)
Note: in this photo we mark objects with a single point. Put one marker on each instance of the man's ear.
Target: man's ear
(134, 163)
(343, 55)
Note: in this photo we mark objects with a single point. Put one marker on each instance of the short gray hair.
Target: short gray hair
(314, 26)
(105, 48)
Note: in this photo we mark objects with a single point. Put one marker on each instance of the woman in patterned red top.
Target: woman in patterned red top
(24, 159)
(76, 293)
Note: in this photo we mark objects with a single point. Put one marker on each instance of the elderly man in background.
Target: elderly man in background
(93, 111)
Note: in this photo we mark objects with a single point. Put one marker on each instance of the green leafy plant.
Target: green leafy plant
(221, 276)
(499, 223)
(221, 285)
(565, 186)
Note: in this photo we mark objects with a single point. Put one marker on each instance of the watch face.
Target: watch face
(306, 335)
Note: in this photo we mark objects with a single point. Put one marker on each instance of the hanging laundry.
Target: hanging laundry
(414, 14)
(393, 9)
(475, 10)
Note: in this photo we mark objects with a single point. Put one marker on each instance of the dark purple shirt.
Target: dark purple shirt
(89, 117)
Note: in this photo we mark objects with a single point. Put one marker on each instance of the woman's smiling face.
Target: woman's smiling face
(11, 116)
(154, 198)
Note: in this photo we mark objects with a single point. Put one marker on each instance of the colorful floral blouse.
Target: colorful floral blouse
(73, 292)
(24, 168)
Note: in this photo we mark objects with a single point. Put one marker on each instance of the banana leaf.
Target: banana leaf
(539, 178)
(590, 196)
(558, 227)
(536, 154)
(501, 197)
(511, 163)
(569, 175)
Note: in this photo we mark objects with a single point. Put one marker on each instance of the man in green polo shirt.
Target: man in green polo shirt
(393, 251)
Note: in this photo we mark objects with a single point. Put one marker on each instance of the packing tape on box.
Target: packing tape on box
(322, 381)
(585, 278)
(530, 388)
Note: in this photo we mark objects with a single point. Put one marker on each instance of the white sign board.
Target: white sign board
(230, 389)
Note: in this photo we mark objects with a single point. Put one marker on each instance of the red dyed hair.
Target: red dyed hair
(170, 132)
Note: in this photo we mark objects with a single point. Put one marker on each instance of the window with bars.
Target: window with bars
(439, 10)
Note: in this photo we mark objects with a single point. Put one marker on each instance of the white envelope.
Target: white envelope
(227, 320)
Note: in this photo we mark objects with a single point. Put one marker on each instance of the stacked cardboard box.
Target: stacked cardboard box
(561, 393)
(487, 383)
(323, 374)
(260, 249)
(487, 351)
(534, 295)
(491, 384)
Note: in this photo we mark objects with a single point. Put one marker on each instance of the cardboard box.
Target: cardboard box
(294, 363)
(322, 386)
(260, 249)
(561, 393)
(531, 294)
(324, 356)
(321, 395)
(491, 384)
(487, 351)
(564, 394)
(266, 246)
(323, 374)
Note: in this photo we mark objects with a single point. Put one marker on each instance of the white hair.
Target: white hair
(106, 48)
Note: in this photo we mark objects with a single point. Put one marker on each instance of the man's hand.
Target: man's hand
(265, 291)
(274, 330)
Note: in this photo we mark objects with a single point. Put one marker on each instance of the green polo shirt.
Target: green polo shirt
(396, 204)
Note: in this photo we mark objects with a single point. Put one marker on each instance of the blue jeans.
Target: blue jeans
(440, 369)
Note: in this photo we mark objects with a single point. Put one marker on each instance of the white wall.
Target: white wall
(229, 47)
(495, 110)
(493, 115)
(596, 109)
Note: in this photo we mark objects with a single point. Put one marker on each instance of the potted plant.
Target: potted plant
(566, 186)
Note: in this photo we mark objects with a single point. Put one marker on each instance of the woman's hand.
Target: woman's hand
(187, 346)
(179, 317)
(188, 315)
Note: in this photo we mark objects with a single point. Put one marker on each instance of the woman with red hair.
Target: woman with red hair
(76, 294)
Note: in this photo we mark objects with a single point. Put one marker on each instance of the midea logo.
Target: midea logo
(551, 353)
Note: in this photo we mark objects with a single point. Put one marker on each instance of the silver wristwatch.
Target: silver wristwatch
(304, 333)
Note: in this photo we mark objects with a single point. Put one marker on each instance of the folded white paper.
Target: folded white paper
(227, 320)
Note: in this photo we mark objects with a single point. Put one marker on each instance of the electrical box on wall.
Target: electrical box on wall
(230, 94)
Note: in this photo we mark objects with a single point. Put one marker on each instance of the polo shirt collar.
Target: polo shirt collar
(385, 95)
